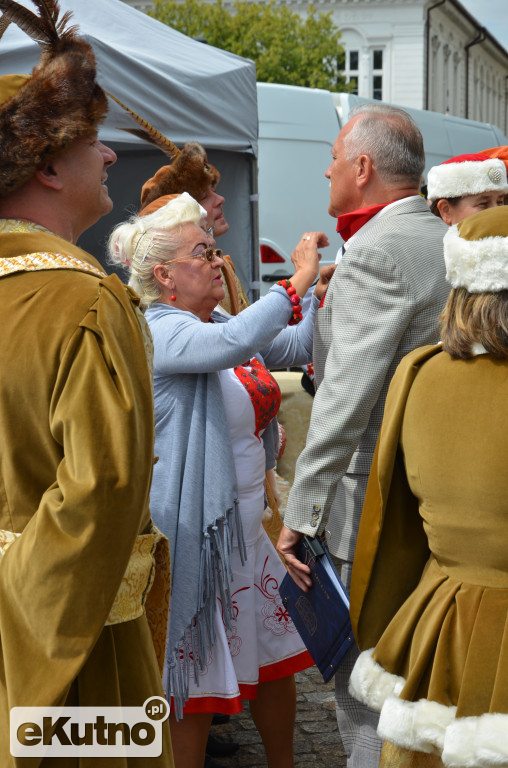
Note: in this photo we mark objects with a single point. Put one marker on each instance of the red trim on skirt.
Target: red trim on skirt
(212, 704)
(230, 706)
(284, 668)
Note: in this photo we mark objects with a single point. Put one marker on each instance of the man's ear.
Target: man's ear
(363, 170)
(48, 176)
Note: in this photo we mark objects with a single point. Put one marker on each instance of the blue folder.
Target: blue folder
(320, 615)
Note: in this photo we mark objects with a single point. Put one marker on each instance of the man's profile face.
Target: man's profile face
(212, 203)
(343, 191)
(83, 169)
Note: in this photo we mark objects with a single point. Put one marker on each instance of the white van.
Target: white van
(297, 129)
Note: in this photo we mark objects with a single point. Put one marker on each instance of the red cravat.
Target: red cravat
(349, 223)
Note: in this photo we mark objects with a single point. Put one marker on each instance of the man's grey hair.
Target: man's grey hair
(391, 138)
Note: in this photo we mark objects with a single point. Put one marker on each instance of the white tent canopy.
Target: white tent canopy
(186, 89)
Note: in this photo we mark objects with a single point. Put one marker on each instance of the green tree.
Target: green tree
(285, 47)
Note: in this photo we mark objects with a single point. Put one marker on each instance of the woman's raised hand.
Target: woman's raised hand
(305, 259)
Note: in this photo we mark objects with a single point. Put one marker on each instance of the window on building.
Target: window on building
(349, 69)
(377, 74)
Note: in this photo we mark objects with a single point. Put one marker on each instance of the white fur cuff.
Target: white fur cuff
(477, 742)
(419, 725)
(371, 684)
(426, 726)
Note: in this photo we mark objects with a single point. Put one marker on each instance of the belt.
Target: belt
(144, 588)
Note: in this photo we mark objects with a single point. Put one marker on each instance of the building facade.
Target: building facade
(426, 54)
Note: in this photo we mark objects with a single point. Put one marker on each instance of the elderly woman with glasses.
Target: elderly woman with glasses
(230, 637)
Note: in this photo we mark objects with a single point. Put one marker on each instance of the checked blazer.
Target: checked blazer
(384, 300)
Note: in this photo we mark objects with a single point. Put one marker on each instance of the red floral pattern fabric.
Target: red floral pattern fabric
(263, 391)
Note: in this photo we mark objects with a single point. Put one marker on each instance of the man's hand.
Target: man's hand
(286, 545)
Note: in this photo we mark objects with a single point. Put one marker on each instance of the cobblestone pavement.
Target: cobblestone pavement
(317, 740)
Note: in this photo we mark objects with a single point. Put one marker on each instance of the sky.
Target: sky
(491, 14)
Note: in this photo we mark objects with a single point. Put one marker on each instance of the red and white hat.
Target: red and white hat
(466, 175)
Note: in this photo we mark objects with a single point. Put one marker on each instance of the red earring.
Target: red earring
(172, 297)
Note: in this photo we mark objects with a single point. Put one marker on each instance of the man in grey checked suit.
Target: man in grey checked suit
(383, 301)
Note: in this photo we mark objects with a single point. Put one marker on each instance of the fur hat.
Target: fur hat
(189, 171)
(466, 175)
(60, 102)
(476, 252)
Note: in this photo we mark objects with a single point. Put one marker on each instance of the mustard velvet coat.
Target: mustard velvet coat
(429, 595)
(76, 454)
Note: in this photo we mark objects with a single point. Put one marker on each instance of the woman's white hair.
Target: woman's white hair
(142, 242)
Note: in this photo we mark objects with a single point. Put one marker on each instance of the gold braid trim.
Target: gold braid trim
(6, 539)
(33, 262)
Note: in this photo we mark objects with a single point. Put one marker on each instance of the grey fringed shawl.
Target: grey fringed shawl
(194, 495)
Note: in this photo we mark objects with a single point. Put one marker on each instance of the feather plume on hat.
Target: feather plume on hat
(189, 171)
(42, 114)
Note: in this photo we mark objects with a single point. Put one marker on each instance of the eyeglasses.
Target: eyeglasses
(206, 255)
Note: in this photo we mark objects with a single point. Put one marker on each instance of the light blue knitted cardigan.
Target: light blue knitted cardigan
(194, 498)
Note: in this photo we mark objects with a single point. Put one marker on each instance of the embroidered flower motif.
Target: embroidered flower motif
(278, 621)
(234, 640)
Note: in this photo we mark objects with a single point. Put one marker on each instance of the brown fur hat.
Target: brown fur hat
(189, 172)
(60, 102)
